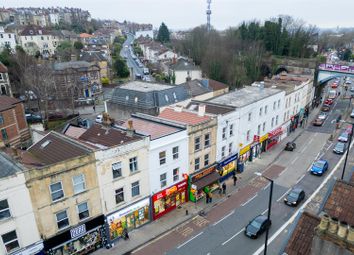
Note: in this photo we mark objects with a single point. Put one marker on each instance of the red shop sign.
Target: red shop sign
(178, 187)
(275, 132)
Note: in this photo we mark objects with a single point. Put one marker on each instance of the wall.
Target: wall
(7, 39)
(181, 76)
(48, 44)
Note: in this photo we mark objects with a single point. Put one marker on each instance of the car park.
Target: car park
(340, 148)
(294, 197)
(318, 122)
(99, 119)
(290, 146)
(319, 167)
(344, 137)
(257, 226)
(326, 108)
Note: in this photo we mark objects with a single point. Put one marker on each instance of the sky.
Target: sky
(185, 14)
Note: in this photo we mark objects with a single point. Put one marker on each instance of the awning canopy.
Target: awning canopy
(205, 181)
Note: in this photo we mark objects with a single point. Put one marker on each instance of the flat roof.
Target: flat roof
(244, 96)
(145, 86)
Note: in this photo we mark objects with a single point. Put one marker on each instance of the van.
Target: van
(332, 94)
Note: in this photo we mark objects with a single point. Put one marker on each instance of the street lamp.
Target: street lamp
(269, 208)
(347, 152)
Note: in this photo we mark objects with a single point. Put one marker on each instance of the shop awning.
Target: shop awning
(275, 132)
(205, 181)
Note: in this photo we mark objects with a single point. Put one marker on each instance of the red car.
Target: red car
(349, 130)
(329, 101)
(334, 85)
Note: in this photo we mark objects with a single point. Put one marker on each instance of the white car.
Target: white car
(352, 114)
(322, 115)
(99, 118)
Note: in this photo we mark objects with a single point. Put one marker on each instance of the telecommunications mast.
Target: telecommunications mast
(208, 13)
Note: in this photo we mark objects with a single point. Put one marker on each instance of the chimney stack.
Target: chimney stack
(350, 236)
(201, 110)
(333, 226)
(178, 108)
(130, 125)
(342, 230)
(130, 129)
(324, 223)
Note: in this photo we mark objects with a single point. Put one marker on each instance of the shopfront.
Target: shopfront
(205, 180)
(130, 217)
(36, 248)
(274, 137)
(244, 154)
(170, 198)
(227, 167)
(82, 239)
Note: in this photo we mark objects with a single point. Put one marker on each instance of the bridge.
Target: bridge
(327, 72)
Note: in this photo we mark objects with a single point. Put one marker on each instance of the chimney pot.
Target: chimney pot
(324, 223)
(350, 236)
(201, 110)
(333, 226)
(130, 124)
(178, 108)
(342, 230)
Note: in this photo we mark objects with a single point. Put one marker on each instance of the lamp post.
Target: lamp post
(269, 209)
(347, 152)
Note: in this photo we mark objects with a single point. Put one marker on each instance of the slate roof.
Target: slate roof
(91, 56)
(74, 132)
(3, 68)
(216, 85)
(108, 137)
(8, 167)
(300, 242)
(188, 118)
(210, 108)
(71, 64)
(54, 148)
(148, 95)
(183, 65)
(7, 102)
(340, 202)
(196, 88)
(34, 30)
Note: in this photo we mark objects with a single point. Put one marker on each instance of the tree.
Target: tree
(78, 45)
(64, 51)
(121, 68)
(163, 35)
(347, 55)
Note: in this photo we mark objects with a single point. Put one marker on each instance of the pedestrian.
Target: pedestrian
(125, 234)
(235, 179)
(94, 108)
(220, 189)
(210, 197)
(224, 188)
(207, 198)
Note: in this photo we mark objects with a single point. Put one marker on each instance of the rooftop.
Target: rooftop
(183, 65)
(196, 87)
(244, 96)
(71, 64)
(145, 86)
(7, 102)
(184, 117)
(216, 85)
(74, 132)
(210, 108)
(8, 167)
(3, 68)
(34, 30)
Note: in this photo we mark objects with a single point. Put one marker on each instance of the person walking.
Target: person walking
(125, 234)
(94, 108)
(224, 188)
(220, 189)
(235, 179)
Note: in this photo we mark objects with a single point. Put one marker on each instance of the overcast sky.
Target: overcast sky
(182, 14)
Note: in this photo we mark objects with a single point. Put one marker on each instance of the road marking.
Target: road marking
(228, 240)
(266, 210)
(282, 172)
(301, 208)
(183, 244)
(292, 162)
(311, 140)
(223, 218)
(302, 177)
(302, 151)
(266, 187)
(286, 192)
(249, 200)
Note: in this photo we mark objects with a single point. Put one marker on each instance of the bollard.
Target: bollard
(186, 212)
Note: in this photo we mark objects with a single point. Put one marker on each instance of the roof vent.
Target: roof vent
(45, 144)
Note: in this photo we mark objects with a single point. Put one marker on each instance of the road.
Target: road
(221, 231)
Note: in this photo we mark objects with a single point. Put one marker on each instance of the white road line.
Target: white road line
(223, 218)
(301, 208)
(266, 210)
(311, 140)
(183, 244)
(302, 177)
(228, 240)
(249, 200)
(293, 161)
(266, 187)
(286, 192)
(302, 151)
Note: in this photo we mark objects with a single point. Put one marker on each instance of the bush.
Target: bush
(105, 81)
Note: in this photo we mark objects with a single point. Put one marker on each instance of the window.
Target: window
(278, 103)
(175, 174)
(284, 116)
(196, 164)
(119, 195)
(272, 123)
(83, 211)
(197, 143)
(206, 140)
(162, 157)
(135, 189)
(266, 109)
(4, 210)
(248, 135)
(264, 124)
(224, 133)
(42, 38)
(231, 129)
(206, 159)
(274, 104)
(117, 170)
(249, 116)
(259, 129)
(260, 111)
(223, 151)
(163, 180)
(1, 119)
(175, 152)
(62, 219)
(276, 120)
(230, 148)
(10, 241)
(4, 134)
(133, 164)
(56, 191)
(79, 183)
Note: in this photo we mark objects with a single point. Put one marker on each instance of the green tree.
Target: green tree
(163, 35)
(347, 55)
(121, 68)
(64, 51)
(78, 45)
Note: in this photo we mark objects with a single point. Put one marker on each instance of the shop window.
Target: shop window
(62, 219)
(117, 170)
(4, 210)
(56, 191)
(1, 119)
(224, 133)
(175, 174)
(206, 159)
(197, 143)
(135, 189)
(10, 241)
(133, 164)
(231, 129)
(162, 156)
(175, 152)
(264, 125)
(265, 109)
(163, 180)
(207, 140)
(276, 120)
(249, 116)
(248, 135)
(79, 183)
(223, 149)
(196, 164)
(119, 195)
(259, 129)
(260, 111)
(272, 123)
(230, 148)
(83, 211)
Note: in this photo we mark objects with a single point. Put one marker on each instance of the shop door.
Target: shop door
(131, 221)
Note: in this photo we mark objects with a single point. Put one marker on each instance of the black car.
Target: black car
(257, 226)
(290, 146)
(33, 118)
(294, 197)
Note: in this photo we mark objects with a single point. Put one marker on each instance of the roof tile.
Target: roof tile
(184, 117)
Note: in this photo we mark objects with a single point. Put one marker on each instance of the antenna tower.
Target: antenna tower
(208, 13)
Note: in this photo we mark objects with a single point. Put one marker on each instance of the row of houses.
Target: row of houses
(83, 187)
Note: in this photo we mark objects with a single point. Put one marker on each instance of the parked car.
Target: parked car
(290, 146)
(322, 115)
(294, 197)
(33, 118)
(257, 226)
(56, 116)
(99, 118)
(138, 76)
(340, 148)
(334, 85)
(351, 89)
(352, 114)
(329, 101)
(319, 167)
(326, 108)
(318, 122)
(349, 130)
(344, 137)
